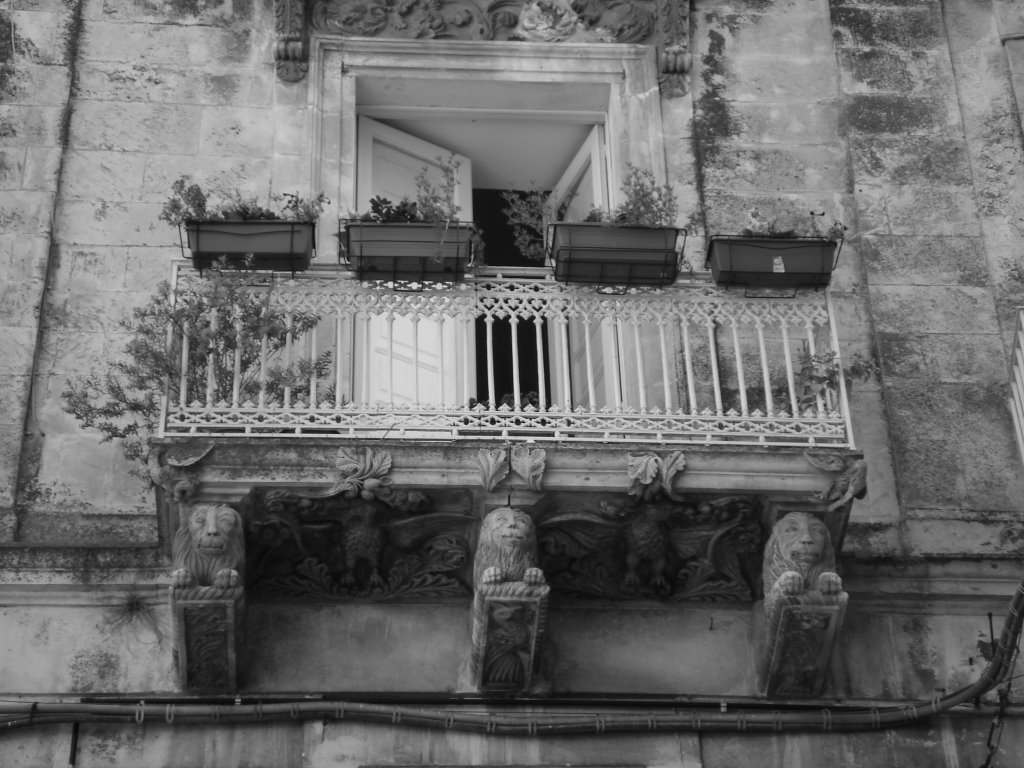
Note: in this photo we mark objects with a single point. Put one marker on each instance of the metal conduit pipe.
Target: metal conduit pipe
(595, 721)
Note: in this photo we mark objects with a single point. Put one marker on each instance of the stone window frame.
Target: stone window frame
(633, 120)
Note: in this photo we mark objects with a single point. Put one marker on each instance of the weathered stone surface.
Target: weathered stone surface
(38, 84)
(195, 45)
(871, 431)
(913, 159)
(250, 175)
(904, 28)
(923, 260)
(774, 77)
(25, 212)
(104, 175)
(157, 83)
(146, 268)
(947, 358)
(29, 125)
(948, 211)
(926, 537)
(19, 304)
(813, 169)
(137, 127)
(728, 211)
(873, 70)
(12, 167)
(41, 36)
(952, 444)
(187, 12)
(91, 526)
(242, 132)
(886, 113)
(98, 222)
(902, 309)
(773, 123)
(40, 169)
(23, 257)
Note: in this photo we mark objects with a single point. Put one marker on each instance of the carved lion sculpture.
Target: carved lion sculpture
(507, 549)
(799, 558)
(209, 550)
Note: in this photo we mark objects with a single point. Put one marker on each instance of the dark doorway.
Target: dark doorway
(500, 251)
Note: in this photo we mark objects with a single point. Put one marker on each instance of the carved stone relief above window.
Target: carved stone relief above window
(664, 23)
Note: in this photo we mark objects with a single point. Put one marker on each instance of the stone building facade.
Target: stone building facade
(646, 626)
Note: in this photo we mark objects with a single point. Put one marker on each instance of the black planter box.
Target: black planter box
(772, 262)
(413, 252)
(278, 245)
(605, 254)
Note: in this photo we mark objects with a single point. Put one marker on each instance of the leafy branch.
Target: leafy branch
(220, 325)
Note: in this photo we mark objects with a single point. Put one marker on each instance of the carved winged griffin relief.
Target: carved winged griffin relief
(695, 549)
(347, 546)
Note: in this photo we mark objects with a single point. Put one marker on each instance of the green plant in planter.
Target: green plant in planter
(815, 226)
(227, 312)
(241, 230)
(189, 202)
(387, 253)
(645, 204)
(528, 214)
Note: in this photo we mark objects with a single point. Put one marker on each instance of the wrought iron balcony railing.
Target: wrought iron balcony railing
(323, 355)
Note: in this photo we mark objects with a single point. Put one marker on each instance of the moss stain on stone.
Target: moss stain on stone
(713, 119)
(9, 43)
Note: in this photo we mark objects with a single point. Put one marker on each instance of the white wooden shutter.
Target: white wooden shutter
(583, 186)
(430, 361)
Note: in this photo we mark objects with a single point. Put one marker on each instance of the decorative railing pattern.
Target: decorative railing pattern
(688, 364)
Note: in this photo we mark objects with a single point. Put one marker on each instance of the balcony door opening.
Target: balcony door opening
(426, 360)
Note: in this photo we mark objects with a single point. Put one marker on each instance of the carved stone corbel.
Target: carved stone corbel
(208, 598)
(804, 607)
(850, 481)
(674, 59)
(291, 50)
(171, 468)
(510, 598)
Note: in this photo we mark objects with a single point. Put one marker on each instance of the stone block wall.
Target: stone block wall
(160, 91)
(900, 119)
(36, 62)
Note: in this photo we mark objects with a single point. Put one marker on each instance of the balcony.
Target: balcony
(692, 410)
(509, 356)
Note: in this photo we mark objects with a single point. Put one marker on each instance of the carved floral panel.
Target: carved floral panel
(608, 21)
(343, 546)
(699, 548)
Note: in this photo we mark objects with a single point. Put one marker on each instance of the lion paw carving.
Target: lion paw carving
(799, 558)
(507, 549)
(209, 549)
